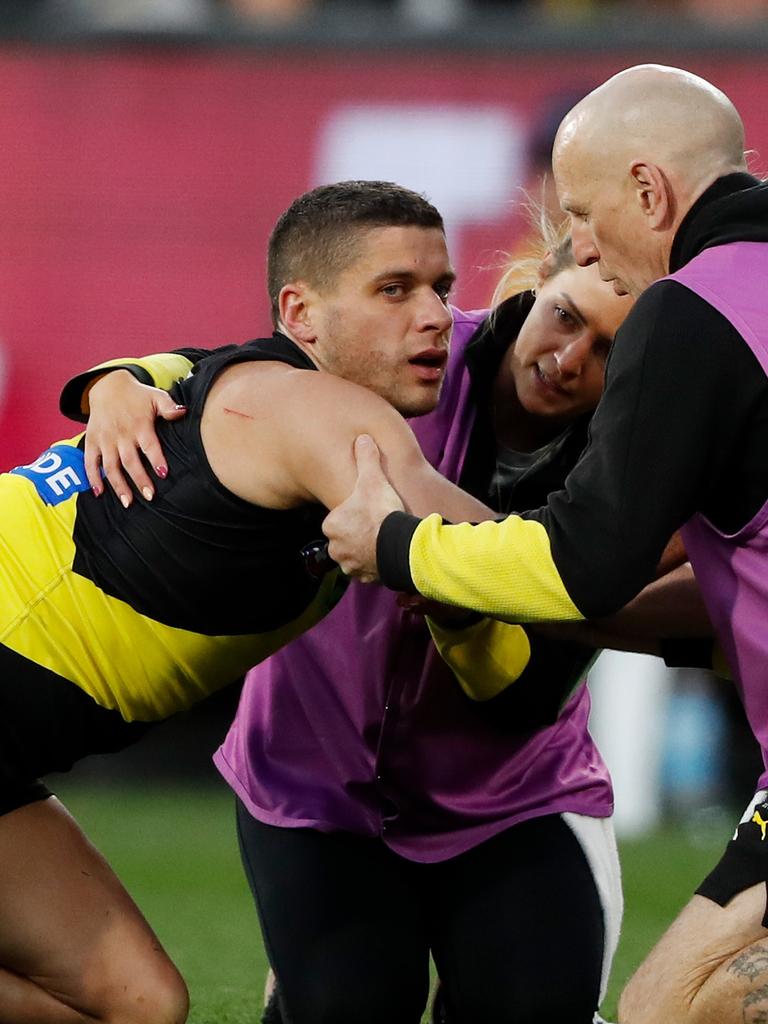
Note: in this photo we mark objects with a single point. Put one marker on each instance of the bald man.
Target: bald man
(650, 169)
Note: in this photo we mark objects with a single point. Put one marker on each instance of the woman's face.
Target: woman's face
(558, 360)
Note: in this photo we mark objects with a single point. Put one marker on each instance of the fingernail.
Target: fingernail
(147, 492)
(96, 491)
(162, 471)
(124, 500)
(178, 408)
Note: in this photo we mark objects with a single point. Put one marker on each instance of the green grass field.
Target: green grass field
(175, 849)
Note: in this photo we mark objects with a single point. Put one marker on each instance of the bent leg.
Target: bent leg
(519, 930)
(342, 923)
(74, 947)
(710, 967)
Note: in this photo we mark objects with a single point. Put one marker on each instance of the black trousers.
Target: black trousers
(515, 926)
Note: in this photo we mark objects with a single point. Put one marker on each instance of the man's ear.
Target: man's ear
(295, 305)
(654, 194)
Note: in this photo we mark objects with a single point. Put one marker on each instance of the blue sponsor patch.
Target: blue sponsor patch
(58, 474)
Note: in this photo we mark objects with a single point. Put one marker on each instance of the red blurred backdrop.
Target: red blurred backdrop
(138, 187)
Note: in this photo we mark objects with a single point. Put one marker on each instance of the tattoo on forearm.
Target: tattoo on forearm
(751, 963)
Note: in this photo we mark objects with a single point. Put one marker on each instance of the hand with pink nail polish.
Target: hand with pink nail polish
(120, 439)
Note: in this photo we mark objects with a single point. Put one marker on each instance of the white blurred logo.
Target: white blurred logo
(468, 160)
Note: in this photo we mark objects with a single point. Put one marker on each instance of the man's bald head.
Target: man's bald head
(630, 160)
(663, 115)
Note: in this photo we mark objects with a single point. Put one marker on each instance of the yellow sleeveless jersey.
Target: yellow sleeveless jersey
(150, 609)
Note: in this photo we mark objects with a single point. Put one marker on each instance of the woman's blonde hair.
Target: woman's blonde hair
(547, 253)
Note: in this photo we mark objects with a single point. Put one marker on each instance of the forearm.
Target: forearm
(424, 491)
(591, 635)
(670, 606)
(667, 615)
(120, 403)
(161, 370)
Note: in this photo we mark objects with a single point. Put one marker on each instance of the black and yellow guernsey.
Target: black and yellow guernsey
(488, 655)
(150, 609)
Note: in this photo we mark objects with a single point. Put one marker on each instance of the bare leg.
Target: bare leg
(74, 947)
(710, 967)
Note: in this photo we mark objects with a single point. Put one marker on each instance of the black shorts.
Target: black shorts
(46, 725)
(15, 793)
(745, 861)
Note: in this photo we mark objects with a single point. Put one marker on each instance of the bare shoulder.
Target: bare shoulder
(268, 429)
(262, 389)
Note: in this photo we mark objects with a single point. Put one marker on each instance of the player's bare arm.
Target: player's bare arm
(671, 607)
(353, 526)
(280, 437)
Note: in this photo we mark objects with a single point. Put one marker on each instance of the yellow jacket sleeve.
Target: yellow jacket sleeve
(503, 569)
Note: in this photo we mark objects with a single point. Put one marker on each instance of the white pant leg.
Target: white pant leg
(598, 841)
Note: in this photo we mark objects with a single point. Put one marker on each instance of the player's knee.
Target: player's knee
(171, 1001)
(158, 999)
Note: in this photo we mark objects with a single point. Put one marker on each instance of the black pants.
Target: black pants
(515, 926)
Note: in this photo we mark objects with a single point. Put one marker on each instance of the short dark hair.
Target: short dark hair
(315, 239)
